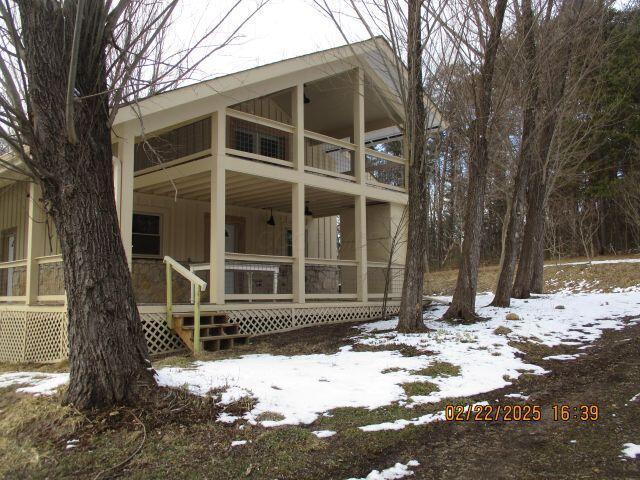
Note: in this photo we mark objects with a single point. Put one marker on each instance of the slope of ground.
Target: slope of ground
(337, 402)
(577, 274)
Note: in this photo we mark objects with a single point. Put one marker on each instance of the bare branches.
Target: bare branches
(73, 68)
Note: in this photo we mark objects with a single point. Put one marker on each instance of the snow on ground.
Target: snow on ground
(399, 470)
(324, 433)
(631, 450)
(563, 357)
(36, 383)
(297, 389)
(422, 420)
(303, 386)
(595, 262)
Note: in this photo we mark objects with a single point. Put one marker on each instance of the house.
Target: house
(261, 201)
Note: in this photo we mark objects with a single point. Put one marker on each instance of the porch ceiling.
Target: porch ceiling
(253, 192)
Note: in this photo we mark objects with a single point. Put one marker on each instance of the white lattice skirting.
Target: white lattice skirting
(40, 336)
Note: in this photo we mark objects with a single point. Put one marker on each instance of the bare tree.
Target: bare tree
(515, 214)
(412, 30)
(488, 30)
(66, 68)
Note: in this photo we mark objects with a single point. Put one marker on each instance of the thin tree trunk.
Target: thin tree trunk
(107, 348)
(502, 296)
(418, 207)
(464, 298)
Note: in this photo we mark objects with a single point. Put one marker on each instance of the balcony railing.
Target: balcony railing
(385, 169)
(329, 156)
(258, 138)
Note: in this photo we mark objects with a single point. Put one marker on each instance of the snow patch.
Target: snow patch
(324, 433)
(517, 395)
(402, 423)
(563, 357)
(37, 383)
(631, 450)
(308, 385)
(237, 443)
(399, 470)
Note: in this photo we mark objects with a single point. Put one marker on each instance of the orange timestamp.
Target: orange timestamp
(519, 413)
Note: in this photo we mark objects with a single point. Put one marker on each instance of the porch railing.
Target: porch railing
(384, 169)
(328, 279)
(13, 281)
(328, 156)
(200, 285)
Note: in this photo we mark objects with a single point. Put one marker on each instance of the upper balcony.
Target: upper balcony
(264, 130)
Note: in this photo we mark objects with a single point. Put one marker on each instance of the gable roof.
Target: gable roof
(374, 55)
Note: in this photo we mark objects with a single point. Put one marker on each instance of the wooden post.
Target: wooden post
(297, 109)
(126, 147)
(298, 227)
(297, 195)
(358, 126)
(218, 208)
(36, 238)
(196, 322)
(169, 296)
(361, 246)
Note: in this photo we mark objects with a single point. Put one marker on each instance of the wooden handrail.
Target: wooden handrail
(330, 262)
(13, 263)
(330, 140)
(200, 285)
(267, 122)
(385, 156)
(192, 277)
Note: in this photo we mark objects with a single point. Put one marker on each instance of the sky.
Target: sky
(282, 29)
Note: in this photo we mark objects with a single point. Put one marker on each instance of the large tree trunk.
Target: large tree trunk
(107, 349)
(464, 298)
(502, 297)
(418, 207)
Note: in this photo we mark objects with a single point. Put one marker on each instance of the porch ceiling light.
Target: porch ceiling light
(306, 99)
(307, 210)
(271, 220)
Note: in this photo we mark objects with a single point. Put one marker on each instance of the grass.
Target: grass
(181, 438)
(604, 277)
(413, 389)
(439, 369)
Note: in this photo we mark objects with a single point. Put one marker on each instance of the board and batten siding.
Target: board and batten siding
(184, 238)
(14, 208)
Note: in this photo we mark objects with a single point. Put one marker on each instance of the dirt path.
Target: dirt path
(608, 376)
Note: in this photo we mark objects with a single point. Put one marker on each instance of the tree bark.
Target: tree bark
(418, 207)
(107, 348)
(502, 296)
(464, 298)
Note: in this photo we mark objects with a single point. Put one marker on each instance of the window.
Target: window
(146, 234)
(244, 141)
(271, 146)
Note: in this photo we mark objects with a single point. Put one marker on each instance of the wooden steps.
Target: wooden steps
(216, 332)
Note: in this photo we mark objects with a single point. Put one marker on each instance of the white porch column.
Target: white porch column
(298, 231)
(297, 109)
(36, 234)
(358, 126)
(360, 173)
(360, 212)
(126, 147)
(297, 195)
(218, 208)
